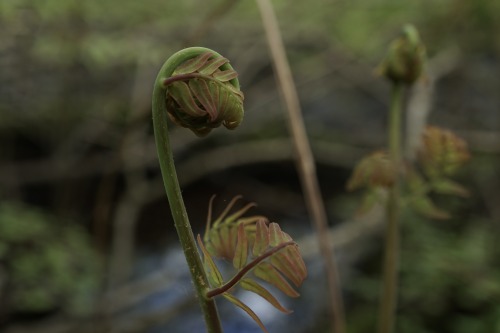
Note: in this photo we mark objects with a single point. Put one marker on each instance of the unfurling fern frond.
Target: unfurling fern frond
(203, 94)
(258, 250)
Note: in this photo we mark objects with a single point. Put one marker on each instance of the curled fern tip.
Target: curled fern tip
(203, 93)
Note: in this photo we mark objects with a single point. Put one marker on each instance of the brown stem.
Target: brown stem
(304, 161)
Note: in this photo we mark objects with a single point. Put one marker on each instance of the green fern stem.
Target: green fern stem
(387, 315)
(172, 187)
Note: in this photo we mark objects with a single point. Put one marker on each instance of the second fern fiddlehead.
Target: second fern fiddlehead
(257, 249)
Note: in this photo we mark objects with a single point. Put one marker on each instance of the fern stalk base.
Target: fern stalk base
(387, 315)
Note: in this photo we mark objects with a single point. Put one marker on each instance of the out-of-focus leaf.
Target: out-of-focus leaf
(447, 186)
(255, 287)
(416, 183)
(34, 244)
(375, 170)
(370, 198)
(426, 207)
(245, 308)
(442, 152)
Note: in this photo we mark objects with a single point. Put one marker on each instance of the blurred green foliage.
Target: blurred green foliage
(110, 32)
(72, 49)
(450, 276)
(44, 264)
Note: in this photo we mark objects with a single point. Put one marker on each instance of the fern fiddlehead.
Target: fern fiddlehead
(197, 88)
(202, 95)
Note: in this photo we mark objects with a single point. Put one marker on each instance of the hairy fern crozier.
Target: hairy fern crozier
(202, 94)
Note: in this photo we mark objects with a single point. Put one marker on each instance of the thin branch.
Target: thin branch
(304, 160)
